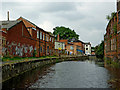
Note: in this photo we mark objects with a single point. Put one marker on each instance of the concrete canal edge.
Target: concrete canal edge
(11, 70)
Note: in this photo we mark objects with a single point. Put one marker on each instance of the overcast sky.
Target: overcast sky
(88, 19)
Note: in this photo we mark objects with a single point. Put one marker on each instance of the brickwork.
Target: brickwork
(112, 38)
(24, 39)
(17, 42)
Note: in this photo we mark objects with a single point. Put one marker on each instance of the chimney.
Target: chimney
(58, 37)
(8, 15)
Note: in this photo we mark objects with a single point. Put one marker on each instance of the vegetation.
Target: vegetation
(99, 50)
(34, 53)
(110, 36)
(115, 28)
(92, 48)
(65, 33)
(114, 64)
(108, 17)
(24, 58)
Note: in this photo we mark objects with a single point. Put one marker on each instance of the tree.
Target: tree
(99, 50)
(65, 33)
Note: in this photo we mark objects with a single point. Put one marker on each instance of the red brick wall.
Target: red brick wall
(110, 39)
(19, 44)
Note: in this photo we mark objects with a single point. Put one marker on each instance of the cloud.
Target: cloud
(59, 1)
(88, 19)
(48, 26)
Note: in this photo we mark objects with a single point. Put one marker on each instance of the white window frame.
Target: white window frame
(40, 35)
(37, 34)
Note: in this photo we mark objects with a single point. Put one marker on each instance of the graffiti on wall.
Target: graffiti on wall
(18, 49)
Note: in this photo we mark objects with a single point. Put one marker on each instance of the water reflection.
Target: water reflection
(74, 75)
(26, 79)
(70, 74)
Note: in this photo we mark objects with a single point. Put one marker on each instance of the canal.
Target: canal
(68, 74)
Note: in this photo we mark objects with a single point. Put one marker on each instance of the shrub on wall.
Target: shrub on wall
(34, 53)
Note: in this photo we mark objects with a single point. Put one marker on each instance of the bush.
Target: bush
(34, 53)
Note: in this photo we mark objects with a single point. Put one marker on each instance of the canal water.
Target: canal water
(69, 74)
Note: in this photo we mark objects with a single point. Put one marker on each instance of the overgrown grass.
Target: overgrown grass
(24, 58)
(115, 64)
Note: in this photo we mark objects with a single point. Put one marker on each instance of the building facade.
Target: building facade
(88, 48)
(74, 46)
(16, 40)
(22, 38)
(112, 37)
(45, 40)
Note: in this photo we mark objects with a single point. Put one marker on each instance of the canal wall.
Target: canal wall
(10, 70)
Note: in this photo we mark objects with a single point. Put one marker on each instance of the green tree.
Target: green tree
(99, 50)
(65, 33)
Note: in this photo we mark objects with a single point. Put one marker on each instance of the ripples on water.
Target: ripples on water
(70, 74)
(74, 75)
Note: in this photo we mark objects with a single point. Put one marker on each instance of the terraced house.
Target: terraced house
(112, 37)
(22, 38)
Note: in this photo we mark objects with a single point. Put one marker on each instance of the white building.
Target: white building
(88, 48)
(59, 45)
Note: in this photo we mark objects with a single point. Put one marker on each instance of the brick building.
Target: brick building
(16, 40)
(45, 40)
(22, 38)
(74, 46)
(112, 37)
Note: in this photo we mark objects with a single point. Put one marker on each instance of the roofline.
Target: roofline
(14, 25)
(35, 25)
(28, 21)
(110, 20)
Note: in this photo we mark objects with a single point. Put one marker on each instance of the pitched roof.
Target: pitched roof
(27, 22)
(9, 24)
(74, 40)
(50, 33)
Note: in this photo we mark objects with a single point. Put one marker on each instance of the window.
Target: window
(37, 34)
(40, 35)
(43, 37)
(50, 38)
(33, 28)
(40, 49)
(119, 17)
(71, 48)
(86, 48)
(86, 45)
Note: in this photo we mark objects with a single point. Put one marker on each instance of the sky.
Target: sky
(86, 17)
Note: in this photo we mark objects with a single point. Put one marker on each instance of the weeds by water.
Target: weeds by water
(111, 63)
(24, 58)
